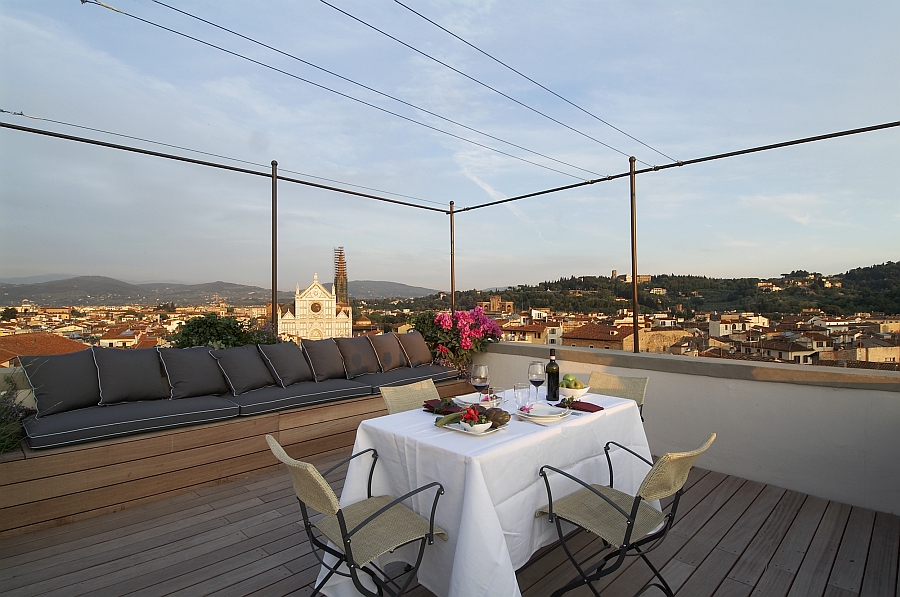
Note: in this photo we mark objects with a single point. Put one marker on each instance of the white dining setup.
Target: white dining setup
(490, 477)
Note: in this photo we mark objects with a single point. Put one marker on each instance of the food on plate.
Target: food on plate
(497, 416)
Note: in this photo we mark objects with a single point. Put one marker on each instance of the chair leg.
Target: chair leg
(582, 577)
(664, 586)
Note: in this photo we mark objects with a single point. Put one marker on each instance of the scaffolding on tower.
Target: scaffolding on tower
(340, 277)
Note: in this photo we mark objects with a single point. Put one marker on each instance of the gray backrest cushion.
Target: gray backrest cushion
(359, 356)
(387, 349)
(243, 368)
(286, 363)
(62, 382)
(192, 372)
(129, 374)
(415, 348)
(325, 359)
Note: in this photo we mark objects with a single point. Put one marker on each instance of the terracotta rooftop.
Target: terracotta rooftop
(593, 331)
(36, 343)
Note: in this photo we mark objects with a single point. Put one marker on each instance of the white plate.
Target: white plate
(472, 399)
(458, 427)
(544, 412)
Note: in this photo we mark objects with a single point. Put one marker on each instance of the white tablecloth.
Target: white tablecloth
(492, 487)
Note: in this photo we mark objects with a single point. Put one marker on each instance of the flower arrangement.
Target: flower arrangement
(473, 417)
(453, 338)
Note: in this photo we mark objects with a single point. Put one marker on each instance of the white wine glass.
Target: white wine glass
(536, 376)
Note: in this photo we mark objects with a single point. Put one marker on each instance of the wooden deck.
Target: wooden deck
(732, 538)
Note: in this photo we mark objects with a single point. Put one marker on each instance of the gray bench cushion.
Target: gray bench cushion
(359, 356)
(126, 417)
(415, 348)
(387, 349)
(325, 359)
(63, 382)
(243, 368)
(307, 392)
(130, 375)
(286, 363)
(405, 375)
(192, 372)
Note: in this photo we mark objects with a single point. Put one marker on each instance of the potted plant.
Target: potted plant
(454, 337)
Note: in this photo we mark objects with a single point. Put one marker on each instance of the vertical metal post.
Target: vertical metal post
(452, 261)
(634, 268)
(275, 248)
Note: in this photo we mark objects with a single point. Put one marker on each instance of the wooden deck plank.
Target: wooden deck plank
(734, 538)
(882, 565)
(816, 567)
(752, 563)
(850, 562)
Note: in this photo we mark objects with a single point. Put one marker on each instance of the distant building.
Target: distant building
(315, 314)
(495, 306)
(34, 344)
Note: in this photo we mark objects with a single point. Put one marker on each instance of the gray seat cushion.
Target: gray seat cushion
(387, 349)
(325, 359)
(307, 392)
(63, 382)
(286, 363)
(415, 348)
(130, 375)
(192, 372)
(405, 375)
(243, 368)
(123, 418)
(359, 356)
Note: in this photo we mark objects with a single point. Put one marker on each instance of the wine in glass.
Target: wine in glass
(480, 379)
(536, 376)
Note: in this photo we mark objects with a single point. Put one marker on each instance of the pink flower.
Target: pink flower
(444, 320)
(442, 349)
(465, 343)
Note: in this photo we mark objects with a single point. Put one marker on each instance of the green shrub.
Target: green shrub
(220, 332)
(11, 415)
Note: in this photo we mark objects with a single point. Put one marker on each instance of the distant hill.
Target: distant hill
(373, 289)
(100, 290)
(35, 279)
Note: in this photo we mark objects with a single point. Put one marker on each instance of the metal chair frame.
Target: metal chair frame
(586, 576)
(385, 584)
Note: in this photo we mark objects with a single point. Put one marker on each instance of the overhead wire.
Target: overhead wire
(523, 75)
(215, 155)
(479, 82)
(326, 88)
(368, 88)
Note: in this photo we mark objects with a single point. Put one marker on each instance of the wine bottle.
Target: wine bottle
(552, 370)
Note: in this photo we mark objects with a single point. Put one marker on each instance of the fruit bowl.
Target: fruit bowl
(570, 393)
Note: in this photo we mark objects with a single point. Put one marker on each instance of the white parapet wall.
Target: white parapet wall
(828, 433)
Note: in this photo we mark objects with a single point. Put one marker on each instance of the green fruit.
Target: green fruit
(568, 377)
(577, 385)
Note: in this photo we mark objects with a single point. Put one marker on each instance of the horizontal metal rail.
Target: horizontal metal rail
(179, 158)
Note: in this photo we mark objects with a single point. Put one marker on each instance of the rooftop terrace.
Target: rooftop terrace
(799, 496)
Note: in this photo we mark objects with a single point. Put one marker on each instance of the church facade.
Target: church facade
(314, 314)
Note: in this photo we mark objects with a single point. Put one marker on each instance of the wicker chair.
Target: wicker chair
(632, 388)
(375, 525)
(409, 397)
(625, 523)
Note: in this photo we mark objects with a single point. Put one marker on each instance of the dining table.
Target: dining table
(492, 488)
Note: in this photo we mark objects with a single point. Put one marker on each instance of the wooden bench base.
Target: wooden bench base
(42, 488)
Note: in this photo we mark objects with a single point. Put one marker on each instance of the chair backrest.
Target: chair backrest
(409, 397)
(309, 485)
(632, 388)
(670, 472)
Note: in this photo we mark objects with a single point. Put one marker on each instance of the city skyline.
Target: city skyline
(691, 80)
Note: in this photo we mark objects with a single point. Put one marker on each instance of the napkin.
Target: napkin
(583, 406)
(431, 405)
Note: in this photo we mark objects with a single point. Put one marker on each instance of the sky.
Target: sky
(689, 79)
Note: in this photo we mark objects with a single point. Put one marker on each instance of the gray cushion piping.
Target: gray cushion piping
(272, 367)
(403, 350)
(166, 369)
(99, 385)
(377, 358)
(130, 432)
(361, 388)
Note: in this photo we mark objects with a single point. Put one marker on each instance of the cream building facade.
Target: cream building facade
(315, 314)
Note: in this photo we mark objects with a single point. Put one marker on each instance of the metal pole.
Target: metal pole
(452, 261)
(634, 268)
(275, 248)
